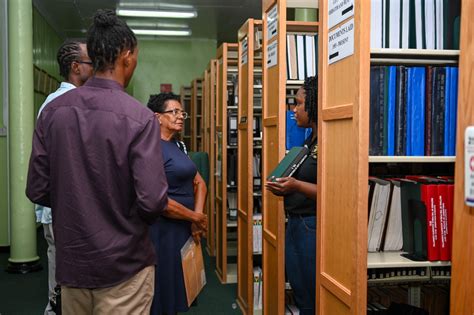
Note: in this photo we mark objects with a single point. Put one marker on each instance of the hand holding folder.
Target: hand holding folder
(279, 182)
(289, 164)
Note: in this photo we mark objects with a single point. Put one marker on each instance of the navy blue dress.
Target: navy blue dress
(169, 235)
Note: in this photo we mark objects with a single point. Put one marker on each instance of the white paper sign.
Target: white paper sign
(341, 42)
(339, 10)
(469, 166)
(272, 22)
(272, 54)
(244, 51)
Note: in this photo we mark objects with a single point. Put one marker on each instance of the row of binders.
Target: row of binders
(301, 56)
(418, 24)
(413, 110)
(413, 214)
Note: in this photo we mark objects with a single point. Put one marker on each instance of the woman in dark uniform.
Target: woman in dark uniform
(184, 216)
(299, 192)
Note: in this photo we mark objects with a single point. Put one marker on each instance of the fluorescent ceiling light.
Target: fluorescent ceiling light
(151, 24)
(163, 32)
(158, 13)
(147, 5)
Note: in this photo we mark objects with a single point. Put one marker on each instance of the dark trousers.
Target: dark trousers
(300, 261)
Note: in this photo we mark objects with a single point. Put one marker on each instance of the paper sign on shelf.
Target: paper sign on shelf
(469, 166)
(339, 10)
(272, 54)
(341, 42)
(244, 51)
(272, 22)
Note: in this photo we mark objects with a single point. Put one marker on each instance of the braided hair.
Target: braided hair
(107, 37)
(310, 87)
(157, 102)
(69, 51)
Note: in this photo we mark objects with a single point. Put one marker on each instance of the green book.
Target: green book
(289, 164)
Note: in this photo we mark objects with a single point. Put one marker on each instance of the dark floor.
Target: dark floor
(27, 294)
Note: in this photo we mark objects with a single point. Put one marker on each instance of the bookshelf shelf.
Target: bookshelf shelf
(294, 82)
(394, 260)
(231, 224)
(414, 56)
(399, 61)
(437, 53)
(412, 159)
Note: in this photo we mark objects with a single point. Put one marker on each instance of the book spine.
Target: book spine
(428, 111)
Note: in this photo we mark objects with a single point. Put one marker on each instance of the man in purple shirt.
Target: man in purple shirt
(96, 161)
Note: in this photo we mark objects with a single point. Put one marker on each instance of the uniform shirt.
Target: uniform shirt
(297, 203)
(43, 214)
(97, 161)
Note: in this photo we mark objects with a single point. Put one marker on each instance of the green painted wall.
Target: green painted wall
(45, 46)
(170, 61)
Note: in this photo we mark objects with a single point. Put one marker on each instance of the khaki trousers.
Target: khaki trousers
(133, 296)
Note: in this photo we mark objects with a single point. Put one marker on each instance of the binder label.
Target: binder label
(272, 54)
(339, 10)
(272, 22)
(341, 42)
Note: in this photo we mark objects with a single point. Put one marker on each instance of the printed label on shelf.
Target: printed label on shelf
(244, 51)
(272, 22)
(469, 166)
(272, 54)
(339, 10)
(341, 42)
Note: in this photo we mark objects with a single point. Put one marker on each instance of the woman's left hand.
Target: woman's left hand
(282, 186)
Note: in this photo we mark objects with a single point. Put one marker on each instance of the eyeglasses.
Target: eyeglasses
(176, 112)
(86, 62)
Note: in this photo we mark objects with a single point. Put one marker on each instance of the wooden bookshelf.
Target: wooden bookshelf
(343, 166)
(343, 123)
(226, 57)
(462, 286)
(273, 144)
(196, 115)
(209, 120)
(185, 98)
(245, 191)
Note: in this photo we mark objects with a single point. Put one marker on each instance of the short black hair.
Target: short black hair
(69, 51)
(310, 87)
(107, 37)
(157, 102)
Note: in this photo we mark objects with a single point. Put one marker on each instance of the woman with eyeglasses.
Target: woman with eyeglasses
(299, 195)
(184, 216)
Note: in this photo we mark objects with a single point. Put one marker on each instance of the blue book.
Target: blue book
(454, 111)
(392, 91)
(417, 111)
(447, 110)
(408, 110)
